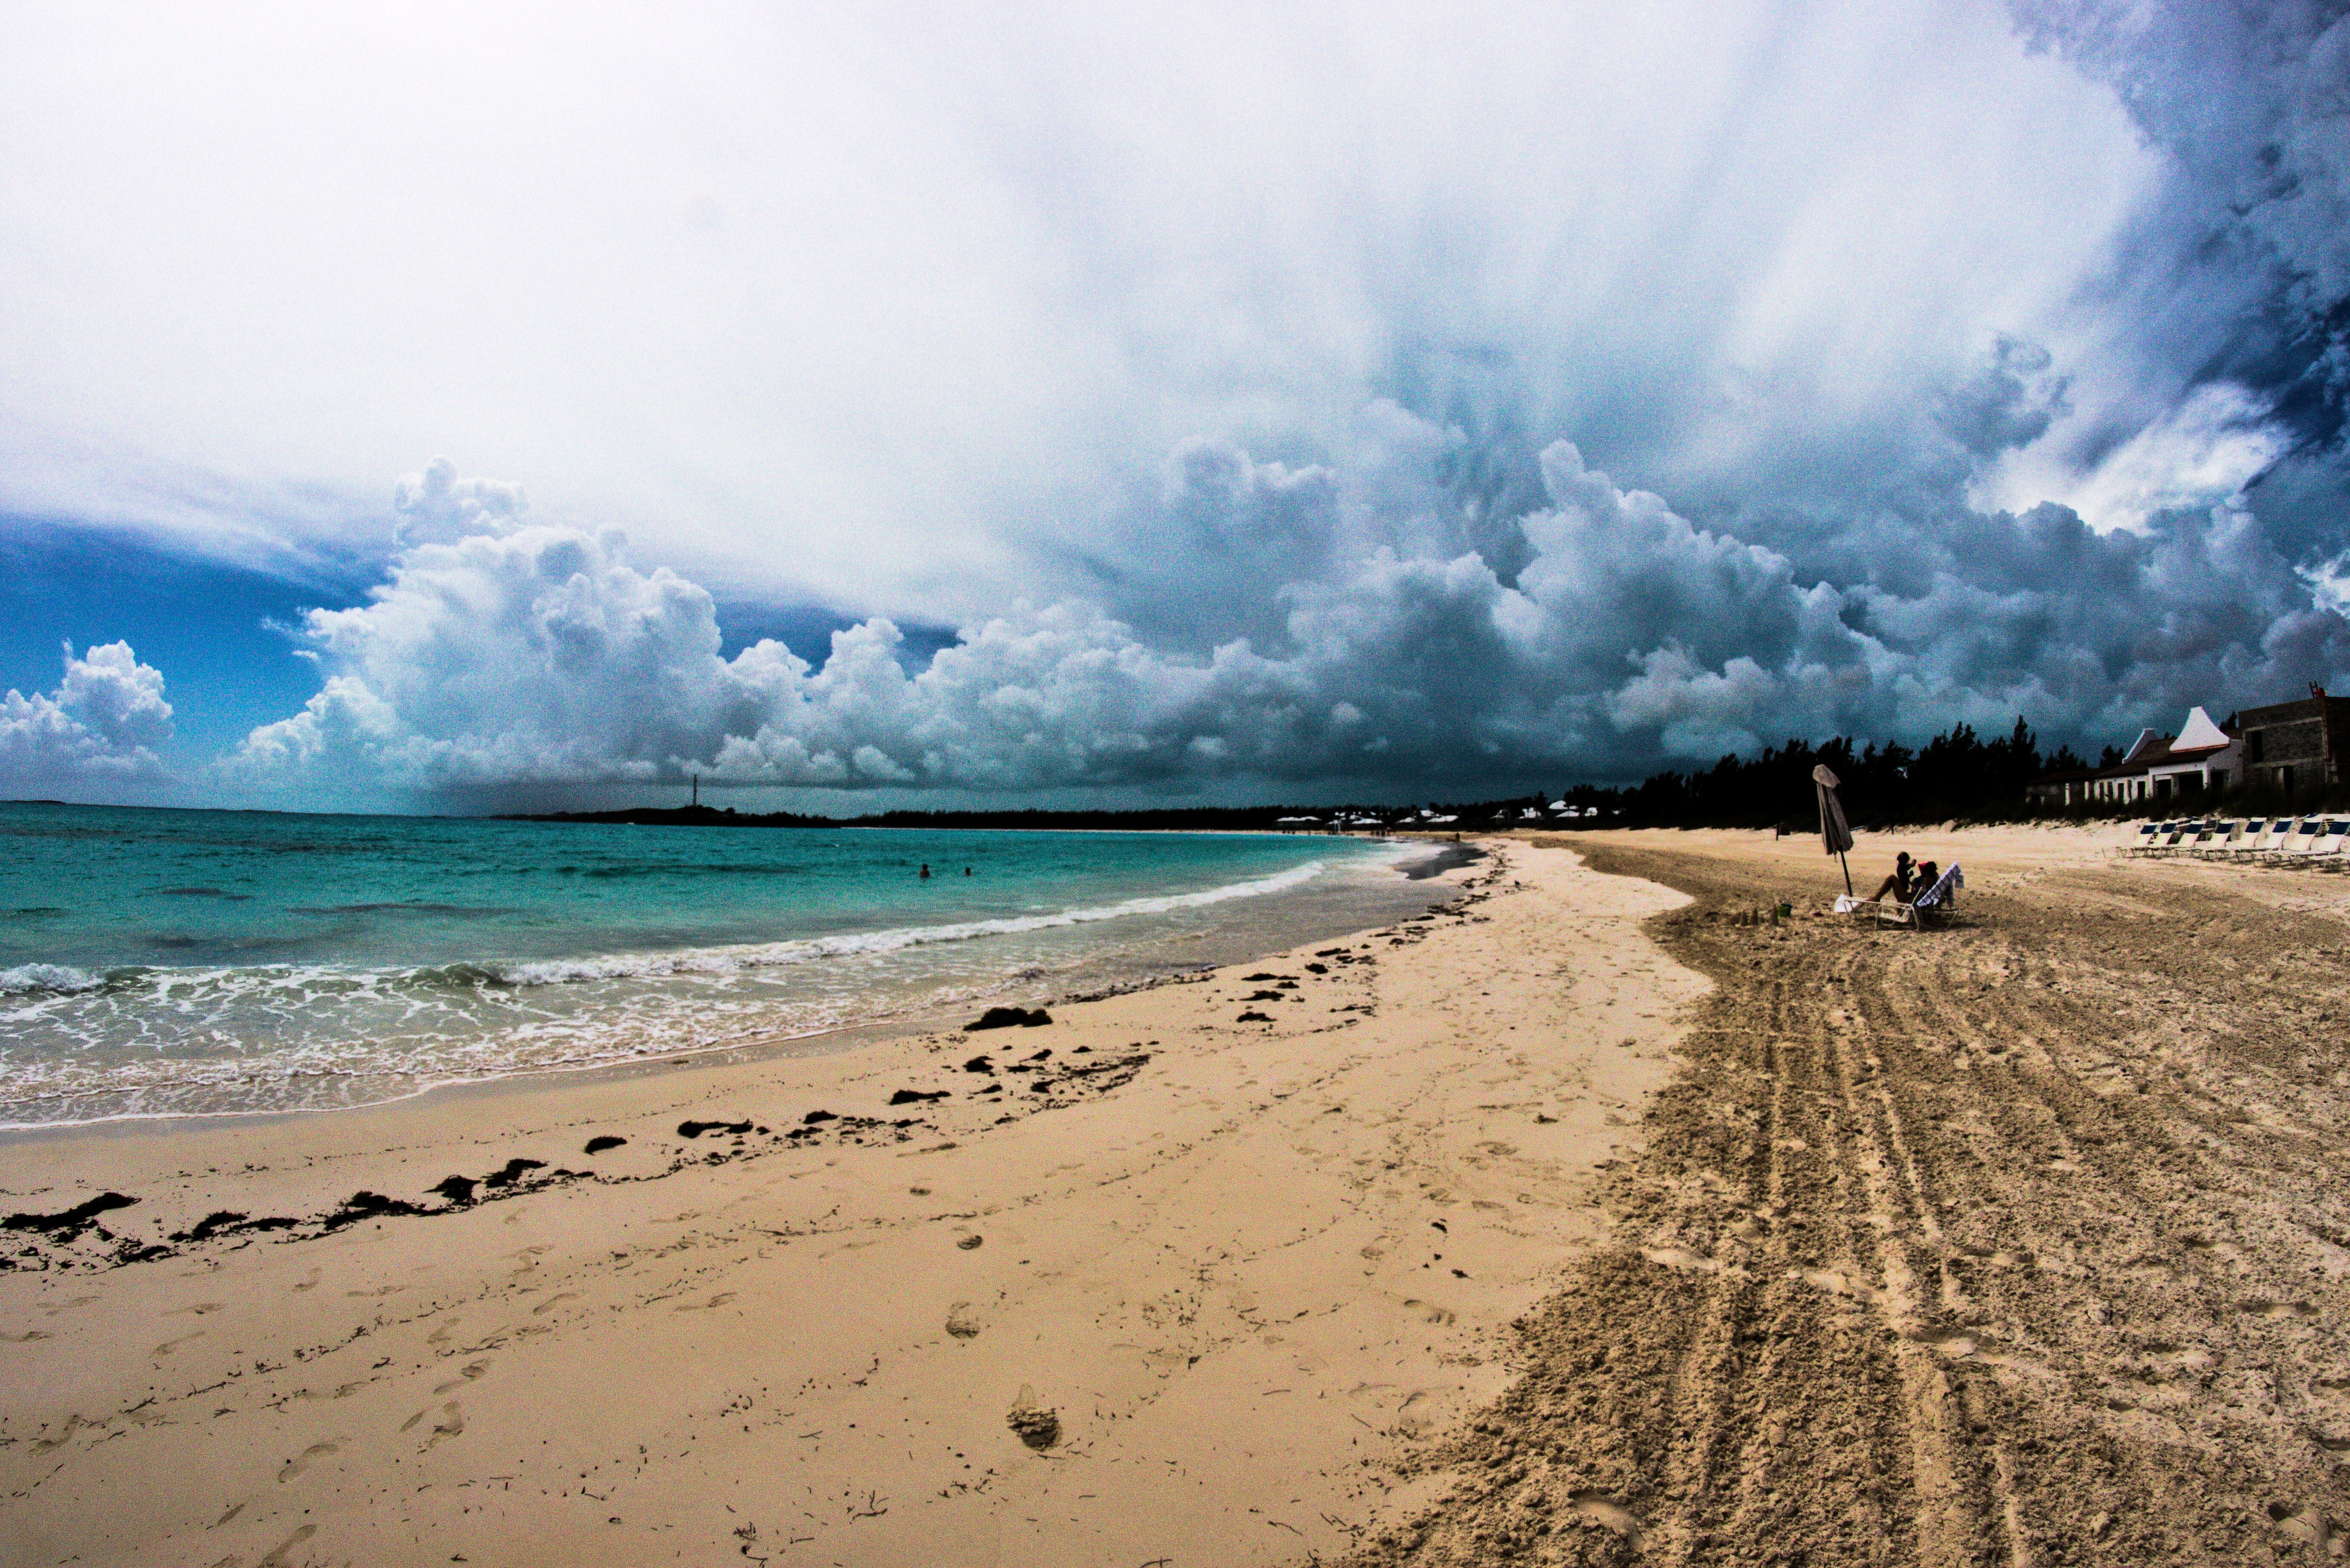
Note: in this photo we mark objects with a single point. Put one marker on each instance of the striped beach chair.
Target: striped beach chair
(2248, 842)
(2299, 834)
(2321, 847)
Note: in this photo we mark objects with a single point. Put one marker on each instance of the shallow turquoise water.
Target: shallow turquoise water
(158, 962)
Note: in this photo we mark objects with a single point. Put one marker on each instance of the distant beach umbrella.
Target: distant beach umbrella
(1834, 834)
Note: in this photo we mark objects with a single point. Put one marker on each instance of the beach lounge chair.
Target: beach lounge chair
(2291, 845)
(2220, 843)
(1931, 905)
(2226, 837)
(2280, 834)
(2157, 833)
(2279, 829)
(2326, 853)
(2140, 837)
(2248, 842)
(1937, 901)
(2316, 845)
(2167, 844)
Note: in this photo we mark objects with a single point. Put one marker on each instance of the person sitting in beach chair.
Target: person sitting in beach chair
(1937, 892)
(1896, 887)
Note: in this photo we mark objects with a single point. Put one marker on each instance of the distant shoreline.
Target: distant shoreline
(1194, 819)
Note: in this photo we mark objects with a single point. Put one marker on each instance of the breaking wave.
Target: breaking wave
(51, 977)
(804, 950)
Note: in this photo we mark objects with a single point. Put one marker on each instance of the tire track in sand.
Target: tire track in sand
(2015, 1245)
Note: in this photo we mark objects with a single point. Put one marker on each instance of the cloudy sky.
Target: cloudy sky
(473, 405)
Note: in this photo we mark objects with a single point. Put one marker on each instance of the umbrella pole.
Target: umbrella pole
(1847, 873)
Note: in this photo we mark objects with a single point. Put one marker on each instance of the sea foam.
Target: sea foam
(31, 977)
(805, 950)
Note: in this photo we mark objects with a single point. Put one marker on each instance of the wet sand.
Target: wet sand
(2018, 1242)
(1191, 1275)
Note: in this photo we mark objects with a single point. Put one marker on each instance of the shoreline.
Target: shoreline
(1278, 923)
(1247, 1266)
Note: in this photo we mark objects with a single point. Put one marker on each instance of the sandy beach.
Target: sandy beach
(1586, 1221)
(1154, 1283)
(2023, 1242)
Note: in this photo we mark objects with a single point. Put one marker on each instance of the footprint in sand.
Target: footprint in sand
(712, 1305)
(2260, 1306)
(465, 1374)
(26, 1337)
(310, 1283)
(1432, 1312)
(170, 1345)
(551, 1303)
(451, 1424)
(380, 1291)
(2305, 1524)
(440, 1336)
(197, 1310)
(276, 1558)
(74, 1423)
(233, 1509)
(1605, 1511)
(300, 1463)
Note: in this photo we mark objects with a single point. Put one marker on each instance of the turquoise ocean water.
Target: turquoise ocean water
(159, 963)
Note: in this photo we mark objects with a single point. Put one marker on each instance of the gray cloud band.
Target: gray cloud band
(1342, 629)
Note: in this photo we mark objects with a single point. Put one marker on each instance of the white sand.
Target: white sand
(1223, 1277)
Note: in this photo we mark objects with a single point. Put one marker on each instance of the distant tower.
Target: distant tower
(697, 789)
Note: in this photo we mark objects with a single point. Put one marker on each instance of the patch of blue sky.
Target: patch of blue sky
(219, 632)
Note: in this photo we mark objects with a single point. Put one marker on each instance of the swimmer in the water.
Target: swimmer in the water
(926, 871)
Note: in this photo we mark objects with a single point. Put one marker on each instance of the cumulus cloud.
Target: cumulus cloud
(102, 723)
(1386, 649)
(437, 506)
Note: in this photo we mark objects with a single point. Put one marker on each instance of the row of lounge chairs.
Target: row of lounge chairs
(2314, 843)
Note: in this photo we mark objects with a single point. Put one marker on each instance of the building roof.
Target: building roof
(2199, 736)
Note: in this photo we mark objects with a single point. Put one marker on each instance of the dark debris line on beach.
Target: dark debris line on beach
(1048, 1089)
(52, 1238)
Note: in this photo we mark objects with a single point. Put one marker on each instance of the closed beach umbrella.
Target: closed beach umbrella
(1834, 833)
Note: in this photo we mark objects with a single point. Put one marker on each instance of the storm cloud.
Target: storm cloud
(1378, 645)
(1330, 396)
